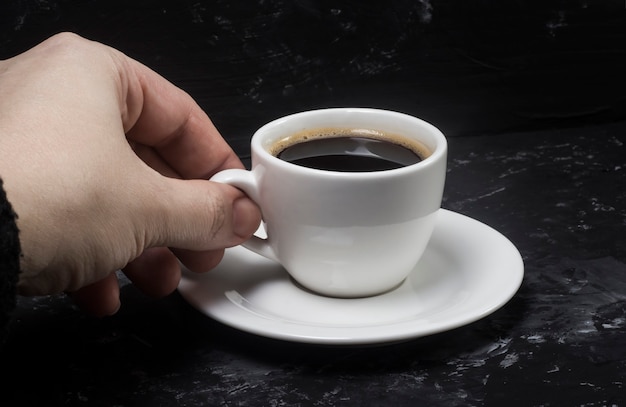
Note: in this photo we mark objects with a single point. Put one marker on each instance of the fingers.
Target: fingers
(166, 118)
(99, 299)
(198, 215)
(171, 133)
(154, 160)
(199, 261)
(156, 272)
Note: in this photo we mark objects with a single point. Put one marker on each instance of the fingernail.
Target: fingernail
(246, 217)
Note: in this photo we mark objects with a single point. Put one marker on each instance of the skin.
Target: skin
(106, 165)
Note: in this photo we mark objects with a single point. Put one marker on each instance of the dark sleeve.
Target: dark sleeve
(9, 260)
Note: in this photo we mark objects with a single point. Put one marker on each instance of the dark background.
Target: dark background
(470, 67)
(532, 96)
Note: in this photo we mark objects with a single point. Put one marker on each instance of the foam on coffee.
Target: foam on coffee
(335, 132)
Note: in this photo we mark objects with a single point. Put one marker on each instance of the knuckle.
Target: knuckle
(217, 220)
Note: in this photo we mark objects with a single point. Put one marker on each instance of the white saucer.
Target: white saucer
(468, 271)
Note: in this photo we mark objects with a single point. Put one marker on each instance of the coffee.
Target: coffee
(349, 150)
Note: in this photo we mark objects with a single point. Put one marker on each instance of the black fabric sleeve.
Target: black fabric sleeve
(9, 260)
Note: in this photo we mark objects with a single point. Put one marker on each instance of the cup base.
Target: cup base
(347, 297)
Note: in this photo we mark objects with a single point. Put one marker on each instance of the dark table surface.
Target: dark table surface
(532, 99)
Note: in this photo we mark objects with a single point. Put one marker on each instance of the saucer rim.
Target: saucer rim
(358, 335)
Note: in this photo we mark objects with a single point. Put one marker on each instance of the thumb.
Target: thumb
(202, 215)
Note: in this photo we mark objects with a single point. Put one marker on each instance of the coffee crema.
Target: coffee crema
(349, 150)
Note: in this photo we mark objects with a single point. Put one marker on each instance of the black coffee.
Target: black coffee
(349, 153)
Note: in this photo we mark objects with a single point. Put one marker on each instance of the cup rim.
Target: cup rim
(437, 153)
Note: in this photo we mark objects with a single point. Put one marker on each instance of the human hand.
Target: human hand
(106, 165)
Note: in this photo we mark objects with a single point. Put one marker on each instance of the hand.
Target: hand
(106, 165)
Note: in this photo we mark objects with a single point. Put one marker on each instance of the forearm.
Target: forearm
(9, 260)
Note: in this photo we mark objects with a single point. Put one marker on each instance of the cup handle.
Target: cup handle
(245, 181)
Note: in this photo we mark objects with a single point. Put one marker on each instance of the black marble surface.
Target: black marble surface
(532, 98)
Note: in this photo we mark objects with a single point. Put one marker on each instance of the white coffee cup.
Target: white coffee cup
(344, 234)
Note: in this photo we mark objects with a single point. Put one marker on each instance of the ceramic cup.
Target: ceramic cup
(344, 234)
